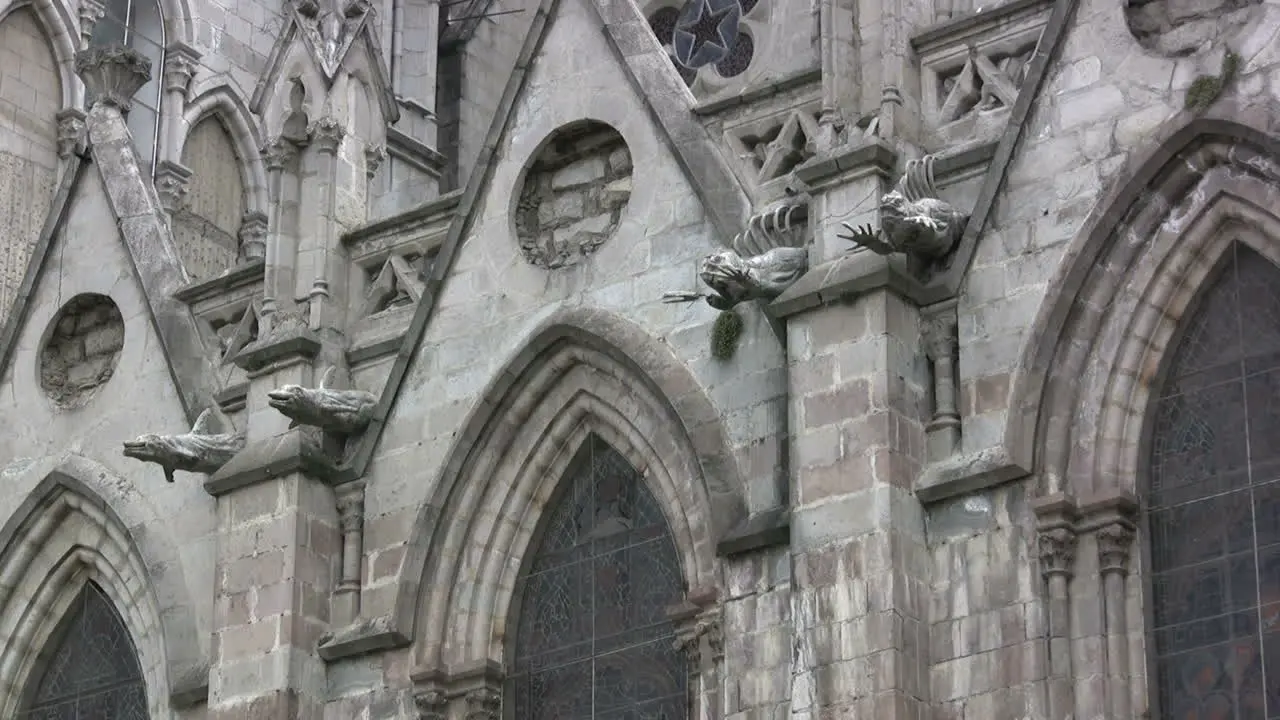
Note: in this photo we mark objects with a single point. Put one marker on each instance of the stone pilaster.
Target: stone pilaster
(181, 62)
(253, 236)
(112, 75)
(172, 181)
(861, 570)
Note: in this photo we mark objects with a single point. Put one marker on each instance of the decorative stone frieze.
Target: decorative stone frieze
(172, 182)
(253, 236)
(112, 75)
(71, 132)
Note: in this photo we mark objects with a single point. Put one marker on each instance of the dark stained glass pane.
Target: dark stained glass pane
(593, 640)
(1213, 504)
(93, 673)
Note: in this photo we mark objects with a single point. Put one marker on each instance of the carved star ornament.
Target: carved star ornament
(706, 31)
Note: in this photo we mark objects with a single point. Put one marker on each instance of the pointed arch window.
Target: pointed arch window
(593, 639)
(92, 670)
(139, 25)
(1212, 504)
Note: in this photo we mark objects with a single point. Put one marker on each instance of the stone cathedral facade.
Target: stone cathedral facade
(643, 359)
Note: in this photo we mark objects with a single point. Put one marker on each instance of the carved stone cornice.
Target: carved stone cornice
(278, 153)
(172, 180)
(113, 74)
(1114, 546)
(181, 62)
(483, 704)
(253, 236)
(71, 132)
(326, 134)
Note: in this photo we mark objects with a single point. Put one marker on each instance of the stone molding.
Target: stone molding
(113, 75)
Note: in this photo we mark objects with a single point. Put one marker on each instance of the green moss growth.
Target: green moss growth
(725, 335)
(1206, 89)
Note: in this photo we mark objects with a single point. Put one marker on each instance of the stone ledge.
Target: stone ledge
(783, 84)
(293, 346)
(298, 450)
(765, 529)
(232, 398)
(189, 688)
(854, 274)
(361, 638)
(957, 30)
(967, 473)
(246, 274)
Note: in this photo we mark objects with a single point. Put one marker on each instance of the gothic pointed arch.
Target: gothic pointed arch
(590, 627)
(568, 384)
(90, 668)
(63, 537)
(57, 22)
(1084, 378)
(216, 97)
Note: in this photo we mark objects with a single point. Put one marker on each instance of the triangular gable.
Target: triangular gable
(658, 89)
(155, 262)
(358, 36)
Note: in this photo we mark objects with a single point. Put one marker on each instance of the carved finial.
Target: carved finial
(1057, 551)
(113, 74)
(1114, 541)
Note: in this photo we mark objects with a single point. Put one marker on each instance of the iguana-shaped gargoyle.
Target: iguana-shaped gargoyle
(762, 263)
(342, 412)
(913, 221)
(198, 451)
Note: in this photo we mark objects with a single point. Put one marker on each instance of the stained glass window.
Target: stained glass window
(93, 672)
(1213, 504)
(593, 640)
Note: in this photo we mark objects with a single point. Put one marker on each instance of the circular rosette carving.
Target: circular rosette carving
(80, 349)
(573, 194)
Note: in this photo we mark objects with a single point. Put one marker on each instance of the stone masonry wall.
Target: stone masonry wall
(29, 98)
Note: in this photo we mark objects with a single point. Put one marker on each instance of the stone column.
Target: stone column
(181, 61)
(1057, 544)
(942, 345)
(253, 236)
(1113, 516)
(326, 136)
(278, 155)
(90, 12)
(861, 568)
(346, 599)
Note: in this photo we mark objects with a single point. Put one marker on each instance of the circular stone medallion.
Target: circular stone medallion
(573, 196)
(706, 31)
(80, 349)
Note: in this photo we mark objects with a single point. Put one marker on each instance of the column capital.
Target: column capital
(938, 329)
(1114, 543)
(253, 235)
(1057, 548)
(483, 703)
(172, 180)
(326, 134)
(90, 12)
(113, 74)
(350, 498)
(71, 132)
(374, 156)
(278, 153)
(181, 62)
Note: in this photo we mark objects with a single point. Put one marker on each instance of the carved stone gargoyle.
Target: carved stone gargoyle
(198, 451)
(341, 412)
(765, 260)
(913, 221)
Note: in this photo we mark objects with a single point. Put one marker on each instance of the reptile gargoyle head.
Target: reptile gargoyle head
(164, 450)
(290, 399)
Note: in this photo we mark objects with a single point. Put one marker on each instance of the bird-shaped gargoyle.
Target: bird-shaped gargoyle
(913, 221)
(198, 451)
(342, 412)
(764, 260)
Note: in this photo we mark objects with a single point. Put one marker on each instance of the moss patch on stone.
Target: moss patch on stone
(725, 335)
(1206, 89)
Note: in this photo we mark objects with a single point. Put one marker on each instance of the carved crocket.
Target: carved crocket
(913, 221)
(342, 412)
(198, 451)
